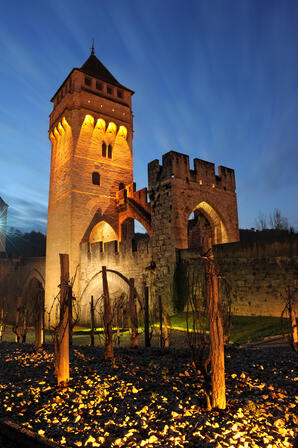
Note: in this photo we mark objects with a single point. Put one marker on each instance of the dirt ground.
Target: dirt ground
(150, 397)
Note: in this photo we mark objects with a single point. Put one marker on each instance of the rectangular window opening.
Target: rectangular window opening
(95, 178)
(110, 151)
(87, 81)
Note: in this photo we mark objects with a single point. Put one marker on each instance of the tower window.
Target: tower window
(87, 81)
(95, 178)
(104, 149)
(98, 85)
(110, 151)
(120, 93)
(121, 186)
(110, 90)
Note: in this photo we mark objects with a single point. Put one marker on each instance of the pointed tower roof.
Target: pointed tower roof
(95, 68)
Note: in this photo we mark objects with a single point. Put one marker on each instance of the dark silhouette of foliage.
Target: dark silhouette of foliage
(31, 244)
(180, 286)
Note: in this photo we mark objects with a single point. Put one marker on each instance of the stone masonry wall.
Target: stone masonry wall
(259, 273)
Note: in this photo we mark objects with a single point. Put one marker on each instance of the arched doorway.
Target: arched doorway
(30, 308)
(102, 232)
(119, 286)
(204, 221)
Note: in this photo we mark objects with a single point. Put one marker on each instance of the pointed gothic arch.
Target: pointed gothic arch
(206, 222)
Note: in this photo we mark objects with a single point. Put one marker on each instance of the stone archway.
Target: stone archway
(34, 273)
(118, 284)
(30, 307)
(206, 222)
(102, 231)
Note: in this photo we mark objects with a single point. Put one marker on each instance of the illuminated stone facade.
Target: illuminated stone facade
(93, 201)
(91, 131)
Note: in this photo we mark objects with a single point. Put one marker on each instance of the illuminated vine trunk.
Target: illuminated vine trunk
(216, 330)
(293, 321)
(61, 342)
(107, 317)
(92, 322)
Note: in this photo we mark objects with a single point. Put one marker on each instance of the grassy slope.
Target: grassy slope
(244, 328)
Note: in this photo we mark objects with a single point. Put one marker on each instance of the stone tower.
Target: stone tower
(91, 130)
(3, 220)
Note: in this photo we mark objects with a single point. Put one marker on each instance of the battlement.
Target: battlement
(175, 165)
(113, 252)
(129, 191)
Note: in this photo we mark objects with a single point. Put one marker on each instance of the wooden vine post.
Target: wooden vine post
(215, 328)
(146, 323)
(17, 329)
(92, 322)
(165, 322)
(133, 314)
(39, 320)
(160, 321)
(107, 317)
(61, 342)
(293, 321)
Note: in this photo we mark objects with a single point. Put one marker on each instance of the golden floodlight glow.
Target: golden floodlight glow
(60, 129)
(122, 132)
(101, 124)
(52, 138)
(214, 218)
(89, 120)
(56, 133)
(112, 128)
(65, 123)
(102, 231)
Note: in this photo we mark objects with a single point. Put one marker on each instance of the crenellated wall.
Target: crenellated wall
(175, 191)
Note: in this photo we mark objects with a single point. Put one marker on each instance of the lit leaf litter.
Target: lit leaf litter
(149, 398)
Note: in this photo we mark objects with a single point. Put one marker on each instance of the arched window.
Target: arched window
(95, 178)
(104, 149)
(110, 151)
(121, 186)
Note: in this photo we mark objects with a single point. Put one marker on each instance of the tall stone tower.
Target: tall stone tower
(3, 219)
(91, 130)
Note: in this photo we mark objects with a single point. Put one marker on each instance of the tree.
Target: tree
(31, 244)
(261, 222)
(277, 221)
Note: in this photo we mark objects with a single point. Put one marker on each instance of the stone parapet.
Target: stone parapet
(176, 165)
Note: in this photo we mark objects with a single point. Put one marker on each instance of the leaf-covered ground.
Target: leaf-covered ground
(150, 398)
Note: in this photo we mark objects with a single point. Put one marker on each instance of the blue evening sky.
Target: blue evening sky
(215, 79)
